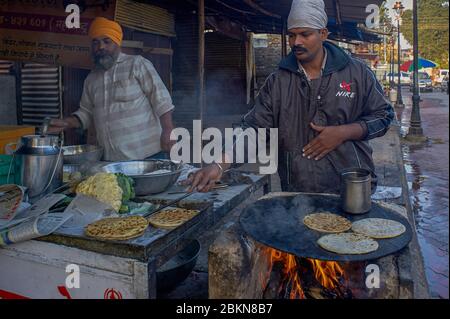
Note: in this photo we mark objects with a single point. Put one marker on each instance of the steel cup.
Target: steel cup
(356, 190)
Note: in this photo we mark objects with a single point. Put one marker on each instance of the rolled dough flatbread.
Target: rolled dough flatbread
(117, 228)
(348, 243)
(378, 227)
(171, 218)
(327, 222)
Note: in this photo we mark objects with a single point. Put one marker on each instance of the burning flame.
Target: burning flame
(327, 273)
(290, 271)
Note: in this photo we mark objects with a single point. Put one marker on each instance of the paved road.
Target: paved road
(427, 168)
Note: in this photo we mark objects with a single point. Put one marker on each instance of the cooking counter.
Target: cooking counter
(128, 267)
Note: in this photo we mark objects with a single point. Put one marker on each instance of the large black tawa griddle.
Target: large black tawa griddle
(278, 223)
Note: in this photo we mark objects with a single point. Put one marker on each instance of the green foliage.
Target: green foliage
(433, 30)
(385, 20)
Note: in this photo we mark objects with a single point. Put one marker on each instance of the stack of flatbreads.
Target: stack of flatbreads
(171, 218)
(360, 241)
(11, 196)
(118, 228)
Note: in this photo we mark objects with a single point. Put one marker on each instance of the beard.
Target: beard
(104, 60)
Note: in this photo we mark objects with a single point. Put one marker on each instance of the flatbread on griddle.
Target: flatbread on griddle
(11, 196)
(327, 222)
(378, 227)
(348, 244)
(117, 228)
(171, 218)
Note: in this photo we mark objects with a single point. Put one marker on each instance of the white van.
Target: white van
(404, 78)
(442, 74)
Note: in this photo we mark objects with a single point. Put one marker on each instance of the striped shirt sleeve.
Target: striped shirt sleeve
(84, 113)
(153, 87)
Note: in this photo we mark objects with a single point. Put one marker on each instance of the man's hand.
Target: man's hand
(330, 137)
(167, 127)
(59, 125)
(166, 142)
(204, 179)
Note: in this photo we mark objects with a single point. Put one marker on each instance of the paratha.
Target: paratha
(171, 218)
(117, 228)
(378, 227)
(327, 222)
(348, 243)
(11, 196)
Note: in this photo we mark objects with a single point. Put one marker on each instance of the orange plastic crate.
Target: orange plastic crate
(12, 134)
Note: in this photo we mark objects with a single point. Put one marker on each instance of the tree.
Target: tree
(433, 30)
(387, 28)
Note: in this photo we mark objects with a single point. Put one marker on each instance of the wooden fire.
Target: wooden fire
(239, 267)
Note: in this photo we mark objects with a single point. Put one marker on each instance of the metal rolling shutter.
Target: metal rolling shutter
(145, 17)
(5, 67)
(40, 92)
(225, 62)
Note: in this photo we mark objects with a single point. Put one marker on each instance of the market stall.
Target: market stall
(115, 268)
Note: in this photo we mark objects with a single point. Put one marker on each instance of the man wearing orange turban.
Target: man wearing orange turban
(125, 99)
(104, 27)
(106, 38)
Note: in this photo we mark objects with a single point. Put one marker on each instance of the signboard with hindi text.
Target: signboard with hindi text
(36, 31)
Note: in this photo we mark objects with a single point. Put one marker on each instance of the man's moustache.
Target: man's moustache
(298, 49)
(101, 53)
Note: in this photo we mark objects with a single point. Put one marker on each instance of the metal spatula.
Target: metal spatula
(168, 204)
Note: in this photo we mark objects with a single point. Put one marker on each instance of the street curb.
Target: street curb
(413, 278)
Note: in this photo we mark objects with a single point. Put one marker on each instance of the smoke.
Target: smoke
(225, 92)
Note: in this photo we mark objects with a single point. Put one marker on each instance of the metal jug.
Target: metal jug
(41, 164)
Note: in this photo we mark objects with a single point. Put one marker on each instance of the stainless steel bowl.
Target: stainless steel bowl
(80, 154)
(72, 168)
(147, 184)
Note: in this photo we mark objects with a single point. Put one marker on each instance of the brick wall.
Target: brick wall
(267, 59)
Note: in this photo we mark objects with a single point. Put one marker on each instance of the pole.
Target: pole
(391, 77)
(201, 62)
(384, 45)
(399, 84)
(283, 39)
(390, 73)
(415, 128)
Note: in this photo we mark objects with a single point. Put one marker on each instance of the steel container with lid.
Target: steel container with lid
(40, 164)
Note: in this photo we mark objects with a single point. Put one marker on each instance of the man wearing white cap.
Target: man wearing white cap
(325, 104)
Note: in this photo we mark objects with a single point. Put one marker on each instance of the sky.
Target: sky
(408, 6)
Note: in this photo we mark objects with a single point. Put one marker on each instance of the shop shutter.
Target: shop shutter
(5, 67)
(145, 17)
(40, 92)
